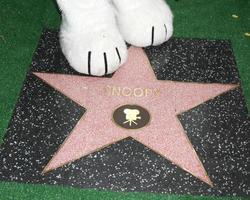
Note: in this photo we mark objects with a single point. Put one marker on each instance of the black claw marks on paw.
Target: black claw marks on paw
(105, 63)
(119, 56)
(105, 57)
(89, 63)
(153, 36)
(166, 30)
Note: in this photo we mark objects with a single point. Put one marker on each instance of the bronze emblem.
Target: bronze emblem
(131, 116)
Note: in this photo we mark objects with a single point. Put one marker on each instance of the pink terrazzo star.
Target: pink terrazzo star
(164, 135)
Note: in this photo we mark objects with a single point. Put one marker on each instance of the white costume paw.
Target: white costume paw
(90, 38)
(144, 22)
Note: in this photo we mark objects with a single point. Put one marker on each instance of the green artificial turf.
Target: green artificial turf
(21, 23)
(33, 192)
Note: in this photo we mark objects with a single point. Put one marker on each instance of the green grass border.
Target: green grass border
(21, 24)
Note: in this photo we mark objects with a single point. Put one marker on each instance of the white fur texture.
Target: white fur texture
(144, 22)
(89, 27)
(93, 32)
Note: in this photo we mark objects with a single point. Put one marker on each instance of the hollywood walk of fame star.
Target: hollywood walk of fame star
(164, 100)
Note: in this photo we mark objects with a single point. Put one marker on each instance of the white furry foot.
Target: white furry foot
(90, 38)
(144, 22)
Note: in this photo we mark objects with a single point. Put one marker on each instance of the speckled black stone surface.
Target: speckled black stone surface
(219, 129)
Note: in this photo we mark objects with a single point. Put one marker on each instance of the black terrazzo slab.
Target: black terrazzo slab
(219, 129)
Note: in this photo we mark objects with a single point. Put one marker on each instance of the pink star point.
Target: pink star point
(164, 135)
